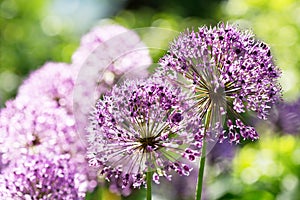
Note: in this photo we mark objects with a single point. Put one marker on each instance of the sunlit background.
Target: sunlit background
(33, 32)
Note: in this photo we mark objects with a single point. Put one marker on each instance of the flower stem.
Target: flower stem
(201, 172)
(202, 160)
(149, 181)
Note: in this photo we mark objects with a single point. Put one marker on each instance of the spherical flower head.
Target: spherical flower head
(37, 177)
(226, 70)
(286, 117)
(31, 128)
(142, 126)
(35, 129)
(54, 82)
(90, 41)
(117, 44)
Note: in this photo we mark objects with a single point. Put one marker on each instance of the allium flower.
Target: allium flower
(286, 117)
(124, 41)
(27, 128)
(105, 54)
(226, 70)
(143, 126)
(54, 82)
(41, 119)
(37, 177)
(35, 129)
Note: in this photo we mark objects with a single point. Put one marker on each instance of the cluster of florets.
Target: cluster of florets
(143, 126)
(38, 177)
(53, 82)
(29, 128)
(228, 68)
(40, 121)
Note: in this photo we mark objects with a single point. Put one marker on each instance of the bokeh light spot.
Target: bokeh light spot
(8, 9)
(9, 81)
(296, 156)
(289, 182)
(249, 175)
(52, 25)
(288, 34)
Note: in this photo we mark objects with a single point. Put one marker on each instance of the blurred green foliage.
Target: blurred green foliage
(29, 38)
(268, 169)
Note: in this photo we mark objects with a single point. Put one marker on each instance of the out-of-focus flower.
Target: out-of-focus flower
(120, 41)
(221, 156)
(38, 177)
(105, 54)
(226, 70)
(286, 117)
(40, 120)
(142, 126)
(37, 128)
(54, 82)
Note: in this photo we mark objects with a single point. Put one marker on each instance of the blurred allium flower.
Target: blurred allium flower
(41, 120)
(32, 128)
(286, 117)
(226, 70)
(124, 41)
(37, 177)
(222, 153)
(54, 82)
(143, 126)
(105, 54)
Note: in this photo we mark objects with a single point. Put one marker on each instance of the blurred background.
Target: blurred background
(33, 32)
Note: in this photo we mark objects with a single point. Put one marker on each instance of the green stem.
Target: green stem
(202, 160)
(100, 191)
(201, 172)
(149, 181)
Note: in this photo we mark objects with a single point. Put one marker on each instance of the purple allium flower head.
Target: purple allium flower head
(226, 70)
(97, 36)
(142, 126)
(35, 129)
(37, 177)
(286, 117)
(54, 82)
(41, 119)
(30, 128)
(105, 54)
